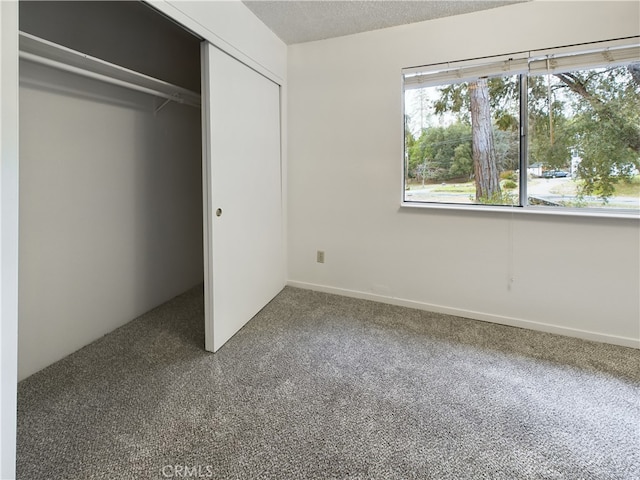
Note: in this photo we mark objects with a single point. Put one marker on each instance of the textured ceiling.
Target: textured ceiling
(305, 21)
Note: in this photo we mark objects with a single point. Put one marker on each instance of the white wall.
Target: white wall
(110, 193)
(571, 275)
(8, 234)
(110, 210)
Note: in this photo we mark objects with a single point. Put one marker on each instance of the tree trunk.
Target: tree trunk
(484, 154)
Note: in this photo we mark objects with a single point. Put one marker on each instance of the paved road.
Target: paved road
(541, 188)
(538, 188)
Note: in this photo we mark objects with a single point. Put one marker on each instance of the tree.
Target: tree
(593, 113)
(486, 105)
(551, 138)
(605, 126)
(483, 149)
(409, 142)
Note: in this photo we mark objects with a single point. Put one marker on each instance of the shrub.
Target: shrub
(498, 198)
(508, 175)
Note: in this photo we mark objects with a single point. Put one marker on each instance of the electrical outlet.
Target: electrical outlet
(320, 256)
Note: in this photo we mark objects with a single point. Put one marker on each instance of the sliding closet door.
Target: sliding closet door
(244, 257)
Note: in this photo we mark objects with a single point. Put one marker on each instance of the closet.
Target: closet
(150, 162)
(110, 171)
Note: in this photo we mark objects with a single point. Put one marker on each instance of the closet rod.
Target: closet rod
(40, 51)
(98, 76)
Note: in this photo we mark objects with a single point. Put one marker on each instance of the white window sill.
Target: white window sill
(530, 210)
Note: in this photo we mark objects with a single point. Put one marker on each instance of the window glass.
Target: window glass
(462, 142)
(572, 140)
(584, 138)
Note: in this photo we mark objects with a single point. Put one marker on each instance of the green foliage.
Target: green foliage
(507, 145)
(462, 164)
(577, 203)
(592, 114)
(498, 198)
(502, 90)
(502, 95)
(442, 153)
(453, 98)
(551, 138)
(409, 142)
(628, 187)
(596, 115)
(445, 152)
(607, 130)
(509, 184)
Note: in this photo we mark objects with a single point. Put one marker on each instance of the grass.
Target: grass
(622, 189)
(457, 188)
(628, 189)
(469, 187)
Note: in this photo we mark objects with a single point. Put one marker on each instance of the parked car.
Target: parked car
(555, 174)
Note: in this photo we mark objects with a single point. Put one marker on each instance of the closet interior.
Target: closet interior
(110, 171)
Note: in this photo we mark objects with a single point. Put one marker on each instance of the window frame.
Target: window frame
(587, 50)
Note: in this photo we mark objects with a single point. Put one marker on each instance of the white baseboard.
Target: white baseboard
(486, 317)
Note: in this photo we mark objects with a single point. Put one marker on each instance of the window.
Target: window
(559, 128)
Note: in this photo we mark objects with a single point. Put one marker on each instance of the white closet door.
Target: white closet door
(242, 190)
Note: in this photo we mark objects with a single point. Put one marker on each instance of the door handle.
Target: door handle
(218, 212)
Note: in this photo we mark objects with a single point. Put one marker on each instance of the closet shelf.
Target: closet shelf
(42, 51)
